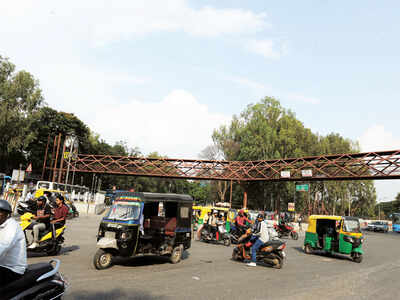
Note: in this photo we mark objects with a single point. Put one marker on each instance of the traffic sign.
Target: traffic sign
(302, 187)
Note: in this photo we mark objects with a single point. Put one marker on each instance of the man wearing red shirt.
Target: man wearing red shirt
(241, 221)
(60, 212)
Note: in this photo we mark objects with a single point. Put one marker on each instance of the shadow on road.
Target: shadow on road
(324, 254)
(112, 295)
(147, 260)
(64, 251)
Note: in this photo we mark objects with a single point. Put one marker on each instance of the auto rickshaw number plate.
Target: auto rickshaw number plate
(109, 234)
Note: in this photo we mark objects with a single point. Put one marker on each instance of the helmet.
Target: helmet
(215, 211)
(42, 198)
(5, 206)
(241, 211)
(260, 216)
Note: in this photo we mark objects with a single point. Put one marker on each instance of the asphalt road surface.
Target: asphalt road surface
(207, 272)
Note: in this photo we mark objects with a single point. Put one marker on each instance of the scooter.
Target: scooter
(220, 236)
(50, 241)
(271, 253)
(236, 232)
(73, 212)
(40, 281)
(284, 230)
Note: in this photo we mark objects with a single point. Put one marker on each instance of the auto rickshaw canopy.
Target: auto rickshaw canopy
(312, 221)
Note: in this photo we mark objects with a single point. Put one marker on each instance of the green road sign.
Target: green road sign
(302, 187)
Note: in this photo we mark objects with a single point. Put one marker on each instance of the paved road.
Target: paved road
(207, 272)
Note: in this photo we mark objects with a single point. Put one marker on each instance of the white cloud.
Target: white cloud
(177, 126)
(266, 48)
(103, 21)
(263, 89)
(377, 138)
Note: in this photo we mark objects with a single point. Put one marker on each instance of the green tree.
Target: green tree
(20, 101)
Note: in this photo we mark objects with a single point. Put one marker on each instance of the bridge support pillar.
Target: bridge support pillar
(245, 199)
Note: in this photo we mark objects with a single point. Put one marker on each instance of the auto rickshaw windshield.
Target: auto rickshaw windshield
(351, 226)
(124, 211)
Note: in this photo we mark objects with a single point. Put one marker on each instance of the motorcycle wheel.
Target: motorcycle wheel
(294, 235)
(102, 260)
(55, 251)
(280, 263)
(236, 254)
(227, 242)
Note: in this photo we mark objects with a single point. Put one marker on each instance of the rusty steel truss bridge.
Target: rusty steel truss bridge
(351, 166)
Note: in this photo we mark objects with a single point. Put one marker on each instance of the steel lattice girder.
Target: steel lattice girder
(370, 165)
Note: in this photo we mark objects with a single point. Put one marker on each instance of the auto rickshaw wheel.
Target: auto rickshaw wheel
(102, 259)
(294, 235)
(307, 249)
(176, 255)
(357, 258)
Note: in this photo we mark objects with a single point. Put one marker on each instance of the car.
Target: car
(378, 226)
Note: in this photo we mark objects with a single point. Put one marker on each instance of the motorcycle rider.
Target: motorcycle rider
(261, 237)
(240, 221)
(212, 222)
(12, 246)
(42, 220)
(60, 212)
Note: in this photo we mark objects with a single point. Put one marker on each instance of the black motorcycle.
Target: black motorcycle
(40, 281)
(236, 232)
(271, 253)
(26, 206)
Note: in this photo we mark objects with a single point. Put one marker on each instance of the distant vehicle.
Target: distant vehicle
(396, 222)
(378, 226)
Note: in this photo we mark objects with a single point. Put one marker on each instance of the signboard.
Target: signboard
(302, 187)
(306, 173)
(290, 206)
(285, 174)
(15, 175)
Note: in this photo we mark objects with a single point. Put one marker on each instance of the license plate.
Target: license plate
(283, 254)
(109, 234)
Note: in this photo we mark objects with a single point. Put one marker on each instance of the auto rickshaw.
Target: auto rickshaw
(334, 234)
(145, 224)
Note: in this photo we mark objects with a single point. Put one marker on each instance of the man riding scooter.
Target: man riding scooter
(42, 220)
(12, 246)
(261, 235)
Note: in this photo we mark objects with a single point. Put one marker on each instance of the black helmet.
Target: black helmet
(5, 206)
(260, 216)
(42, 198)
(59, 196)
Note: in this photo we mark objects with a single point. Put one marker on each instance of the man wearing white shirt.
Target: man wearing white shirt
(262, 233)
(12, 246)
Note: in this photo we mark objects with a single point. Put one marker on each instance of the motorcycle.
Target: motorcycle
(220, 236)
(271, 253)
(26, 207)
(284, 230)
(73, 212)
(40, 281)
(236, 232)
(50, 240)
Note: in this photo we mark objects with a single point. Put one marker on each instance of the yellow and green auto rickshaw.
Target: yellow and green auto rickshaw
(201, 211)
(334, 234)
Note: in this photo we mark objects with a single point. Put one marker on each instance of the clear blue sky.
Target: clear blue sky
(162, 74)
